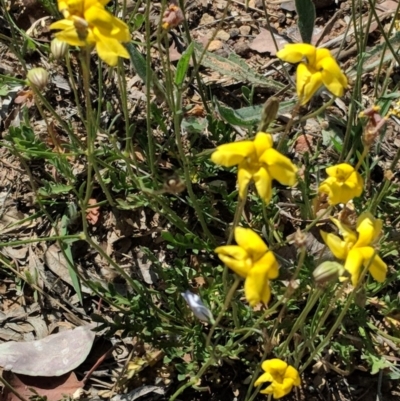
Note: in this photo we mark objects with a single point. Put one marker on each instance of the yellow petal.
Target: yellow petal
(377, 267)
(335, 244)
(110, 49)
(269, 263)
(368, 229)
(265, 377)
(342, 171)
(70, 36)
(262, 142)
(230, 154)
(263, 182)
(236, 258)
(279, 167)
(339, 192)
(251, 242)
(256, 287)
(276, 367)
(353, 264)
(308, 81)
(62, 24)
(332, 76)
(294, 53)
(279, 390)
(244, 178)
(293, 374)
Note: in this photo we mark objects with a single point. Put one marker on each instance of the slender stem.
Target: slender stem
(288, 125)
(186, 166)
(318, 111)
(91, 136)
(340, 317)
(362, 157)
(74, 88)
(315, 295)
(193, 381)
(42, 239)
(149, 73)
(227, 302)
(11, 388)
(327, 212)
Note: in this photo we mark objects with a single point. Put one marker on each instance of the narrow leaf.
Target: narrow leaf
(137, 60)
(183, 65)
(306, 12)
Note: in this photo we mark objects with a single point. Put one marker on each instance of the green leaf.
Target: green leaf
(66, 247)
(183, 65)
(138, 61)
(194, 125)
(248, 116)
(306, 12)
(138, 20)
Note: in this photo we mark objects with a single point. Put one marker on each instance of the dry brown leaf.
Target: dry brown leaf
(50, 388)
(57, 263)
(264, 42)
(92, 213)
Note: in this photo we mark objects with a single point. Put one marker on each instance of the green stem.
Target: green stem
(186, 166)
(42, 239)
(149, 73)
(316, 294)
(74, 88)
(288, 126)
(91, 136)
(327, 212)
(227, 302)
(192, 381)
(340, 317)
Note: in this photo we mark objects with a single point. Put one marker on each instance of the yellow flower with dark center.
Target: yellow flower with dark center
(316, 67)
(356, 247)
(343, 184)
(257, 161)
(88, 23)
(252, 260)
(281, 375)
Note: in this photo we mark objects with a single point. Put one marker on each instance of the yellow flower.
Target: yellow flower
(87, 22)
(281, 375)
(356, 247)
(252, 260)
(258, 162)
(316, 67)
(343, 184)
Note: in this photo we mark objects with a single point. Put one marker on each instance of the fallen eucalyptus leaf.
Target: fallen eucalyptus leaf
(53, 355)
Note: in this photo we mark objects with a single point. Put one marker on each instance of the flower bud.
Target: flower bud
(197, 306)
(172, 17)
(58, 48)
(38, 77)
(327, 272)
(269, 113)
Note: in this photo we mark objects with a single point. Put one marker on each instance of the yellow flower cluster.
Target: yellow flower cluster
(282, 377)
(316, 67)
(356, 247)
(88, 23)
(257, 161)
(252, 260)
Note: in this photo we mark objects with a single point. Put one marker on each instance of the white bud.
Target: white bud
(38, 77)
(58, 48)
